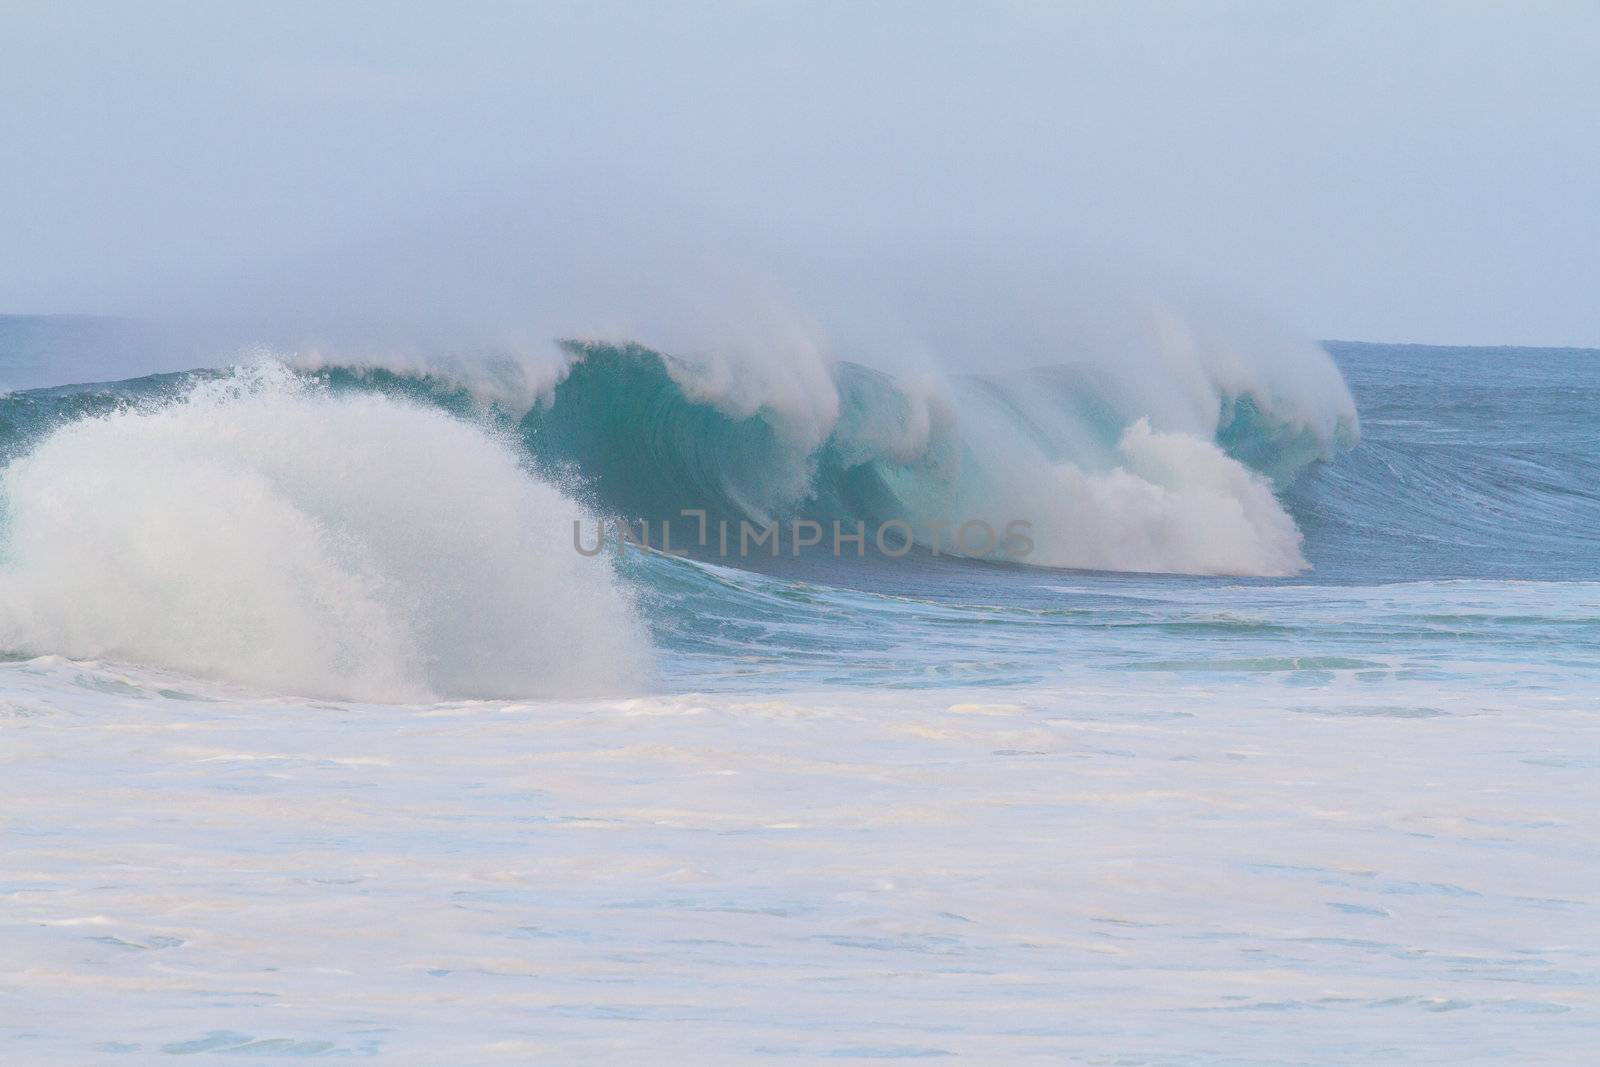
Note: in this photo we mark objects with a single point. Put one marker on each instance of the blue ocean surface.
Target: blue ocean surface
(314, 750)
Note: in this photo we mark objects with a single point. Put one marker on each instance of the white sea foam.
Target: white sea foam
(1174, 502)
(263, 531)
(1126, 864)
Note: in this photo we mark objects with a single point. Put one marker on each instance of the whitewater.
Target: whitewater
(322, 739)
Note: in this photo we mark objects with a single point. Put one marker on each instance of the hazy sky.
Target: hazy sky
(1402, 171)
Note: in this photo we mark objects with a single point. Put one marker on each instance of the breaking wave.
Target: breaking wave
(261, 529)
(1104, 479)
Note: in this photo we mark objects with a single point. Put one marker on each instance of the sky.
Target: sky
(1412, 171)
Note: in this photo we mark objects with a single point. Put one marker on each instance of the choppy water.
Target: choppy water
(846, 809)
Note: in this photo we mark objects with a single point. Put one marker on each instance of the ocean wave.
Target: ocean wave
(1102, 482)
(1105, 470)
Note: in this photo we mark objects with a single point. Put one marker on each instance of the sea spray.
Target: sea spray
(266, 531)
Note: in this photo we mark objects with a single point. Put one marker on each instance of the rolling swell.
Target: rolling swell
(1475, 463)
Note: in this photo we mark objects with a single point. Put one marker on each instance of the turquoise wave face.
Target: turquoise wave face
(623, 430)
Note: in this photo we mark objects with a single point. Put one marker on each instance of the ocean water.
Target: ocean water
(320, 738)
